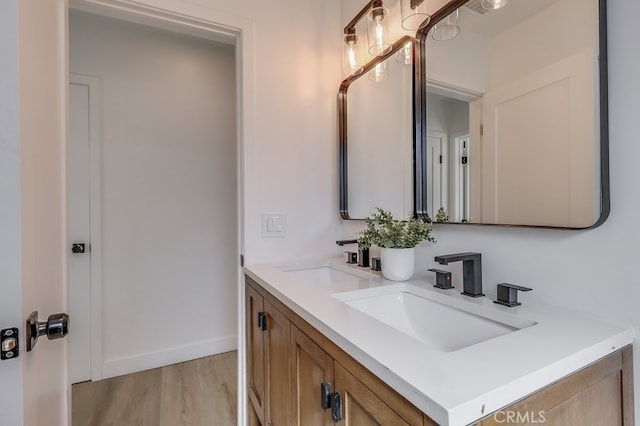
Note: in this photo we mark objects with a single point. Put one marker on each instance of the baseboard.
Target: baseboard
(134, 364)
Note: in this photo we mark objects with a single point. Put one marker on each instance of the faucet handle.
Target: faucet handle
(443, 279)
(508, 294)
(352, 257)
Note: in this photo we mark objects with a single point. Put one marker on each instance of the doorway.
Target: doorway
(168, 211)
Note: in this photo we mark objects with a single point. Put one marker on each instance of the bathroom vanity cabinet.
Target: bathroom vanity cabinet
(288, 360)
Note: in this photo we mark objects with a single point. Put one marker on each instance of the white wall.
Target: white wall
(291, 139)
(448, 61)
(525, 48)
(592, 272)
(10, 244)
(169, 215)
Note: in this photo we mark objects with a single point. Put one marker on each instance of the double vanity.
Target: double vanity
(464, 128)
(330, 342)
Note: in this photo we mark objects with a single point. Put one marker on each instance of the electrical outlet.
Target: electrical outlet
(274, 225)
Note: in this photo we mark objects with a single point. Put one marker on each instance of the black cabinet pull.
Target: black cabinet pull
(262, 321)
(336, 407)
(325, 396)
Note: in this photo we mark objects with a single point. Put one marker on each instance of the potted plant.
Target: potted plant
(397, 240)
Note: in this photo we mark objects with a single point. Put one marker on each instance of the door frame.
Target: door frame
(222, 28)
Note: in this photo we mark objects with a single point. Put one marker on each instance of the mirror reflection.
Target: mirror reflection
(513, 115)
(379, 137)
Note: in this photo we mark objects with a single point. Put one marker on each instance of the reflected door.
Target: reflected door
(542, 171)
(436, 169)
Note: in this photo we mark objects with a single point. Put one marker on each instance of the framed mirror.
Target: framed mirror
(513, 123)
(376, 126)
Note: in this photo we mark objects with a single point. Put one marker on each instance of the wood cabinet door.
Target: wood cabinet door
(278, 362)
(361, 406)
(255, 351)
(312, 366)
(593, 396)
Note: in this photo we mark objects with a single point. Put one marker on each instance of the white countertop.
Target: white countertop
(457, 387)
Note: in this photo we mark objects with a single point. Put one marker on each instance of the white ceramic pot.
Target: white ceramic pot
(397, 264)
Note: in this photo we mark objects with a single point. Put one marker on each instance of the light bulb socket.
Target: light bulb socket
(377, 9)
(350, 36)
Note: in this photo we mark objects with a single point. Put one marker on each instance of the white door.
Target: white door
(460, 185)
(524, 156)
(436, 170)
(32, 198)
(84, 227)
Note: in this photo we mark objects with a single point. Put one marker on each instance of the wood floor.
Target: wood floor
(195, 393)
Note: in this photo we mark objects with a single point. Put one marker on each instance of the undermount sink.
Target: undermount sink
(445, 325)
(320, 274)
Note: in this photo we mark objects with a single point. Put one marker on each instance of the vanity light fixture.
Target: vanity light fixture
(377, 36)
(448, 28)
(414, 14)
(494, 4)
(352, 61)
(378, 29)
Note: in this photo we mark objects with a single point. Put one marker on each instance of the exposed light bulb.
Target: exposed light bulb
(351, 55)
(378, 31)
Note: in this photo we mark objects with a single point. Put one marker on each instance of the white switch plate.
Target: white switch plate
(274, 225)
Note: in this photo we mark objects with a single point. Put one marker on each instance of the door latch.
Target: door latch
(77, 248)
(9, 343)
(56, 327)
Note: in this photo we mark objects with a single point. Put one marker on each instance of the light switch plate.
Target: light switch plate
(274, 225)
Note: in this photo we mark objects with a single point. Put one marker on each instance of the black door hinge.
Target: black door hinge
(241, 260)
(465, 159)
(441, 159)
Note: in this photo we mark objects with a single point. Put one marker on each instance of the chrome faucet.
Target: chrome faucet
(471, 271)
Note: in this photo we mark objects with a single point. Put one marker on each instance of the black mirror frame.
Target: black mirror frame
(420, 141)
(418, 187)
